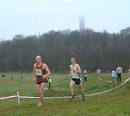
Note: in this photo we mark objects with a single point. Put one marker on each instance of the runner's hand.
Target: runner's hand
(34, 79)
(44, 77)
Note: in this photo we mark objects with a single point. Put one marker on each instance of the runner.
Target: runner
(129, 72)
(114, 75)
(98, 73)
(75, 72)
(85, 75)
(49, 82)
(41, 73)
(119, 72)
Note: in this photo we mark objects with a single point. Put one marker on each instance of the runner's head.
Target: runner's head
(38, 59)
(73, 60)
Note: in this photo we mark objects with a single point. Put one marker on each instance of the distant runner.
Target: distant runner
(129, 72)
(98, 73)
(85, 75)
(49, 82)
(75, 72)
(41, 73)
(119, 72)
(114, 75)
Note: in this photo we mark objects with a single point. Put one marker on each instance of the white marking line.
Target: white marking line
(104, 80)
(27, 97)
(8, 97)
(109, 90)
(65, 97)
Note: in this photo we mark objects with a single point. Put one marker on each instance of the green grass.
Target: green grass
(115, 103)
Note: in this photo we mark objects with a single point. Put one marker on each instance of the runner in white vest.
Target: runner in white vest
(75, 71)
(119, 72)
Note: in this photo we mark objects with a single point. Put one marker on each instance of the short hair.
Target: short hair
(38, 56)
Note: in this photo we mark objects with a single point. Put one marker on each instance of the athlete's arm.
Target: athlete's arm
(47, 70)
(70, 74)
(78, 69)
(34, 75)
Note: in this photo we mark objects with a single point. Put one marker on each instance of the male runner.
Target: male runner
(119, 72)
(41, 73)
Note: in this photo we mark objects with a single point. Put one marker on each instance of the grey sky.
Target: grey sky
(38, 16)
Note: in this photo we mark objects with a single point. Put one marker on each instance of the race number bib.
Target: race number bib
(39, 72)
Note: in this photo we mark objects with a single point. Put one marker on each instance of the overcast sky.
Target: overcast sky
(37, 16)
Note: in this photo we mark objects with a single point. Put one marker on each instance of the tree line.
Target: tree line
(91, 49)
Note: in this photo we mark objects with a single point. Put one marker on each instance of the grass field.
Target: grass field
(115, 103)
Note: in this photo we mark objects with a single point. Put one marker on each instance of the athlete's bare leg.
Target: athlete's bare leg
(81, 91)
(72, 83)
(40, 91)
